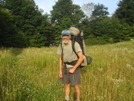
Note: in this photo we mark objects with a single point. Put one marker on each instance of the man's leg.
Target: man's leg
(67, 91)
(77, 92)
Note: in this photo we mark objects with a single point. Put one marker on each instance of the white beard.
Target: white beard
(65, 42)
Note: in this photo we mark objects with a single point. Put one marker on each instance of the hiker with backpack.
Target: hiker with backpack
(71, 57)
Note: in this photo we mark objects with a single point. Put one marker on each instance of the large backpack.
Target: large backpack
(77, 36)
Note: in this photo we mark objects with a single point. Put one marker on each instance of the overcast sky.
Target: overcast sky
(47, 5)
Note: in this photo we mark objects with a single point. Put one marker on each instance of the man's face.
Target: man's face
(65, 39)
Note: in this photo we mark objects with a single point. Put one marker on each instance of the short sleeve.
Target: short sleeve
(59, 51)
(77, 47)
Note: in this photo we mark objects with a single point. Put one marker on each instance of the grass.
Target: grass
(31, 74)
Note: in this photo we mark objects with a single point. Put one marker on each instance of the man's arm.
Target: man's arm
(60, 66)
(80, 55)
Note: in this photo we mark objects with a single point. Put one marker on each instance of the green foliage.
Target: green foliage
(29, 20)
(24, 25)
(99, 10)
(9, 35)
(124, 12)
(27, 15)
(64, 10)
(46, 31)
(103, 29)
(107, 30)
(23, 12)
(92, 40)
(128, 31)
(57, 33)
(77, 15)
(65, 23)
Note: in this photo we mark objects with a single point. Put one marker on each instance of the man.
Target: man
(69, 74)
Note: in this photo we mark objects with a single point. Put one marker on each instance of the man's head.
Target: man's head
(65, 35)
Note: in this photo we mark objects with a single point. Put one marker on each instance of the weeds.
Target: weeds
(31, 74)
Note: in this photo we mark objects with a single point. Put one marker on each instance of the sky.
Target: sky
(47, 5)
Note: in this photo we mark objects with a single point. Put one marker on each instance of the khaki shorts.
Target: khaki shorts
(70, 78)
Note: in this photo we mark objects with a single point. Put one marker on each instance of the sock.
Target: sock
(66, 97)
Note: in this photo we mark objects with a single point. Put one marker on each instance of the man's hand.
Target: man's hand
(60, 75)
(80, 55)
(71, 70)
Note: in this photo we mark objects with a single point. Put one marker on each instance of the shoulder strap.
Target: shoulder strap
(73, 42)
(61, 53)
(61, 49)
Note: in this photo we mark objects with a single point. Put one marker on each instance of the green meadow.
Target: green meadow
(31, 74)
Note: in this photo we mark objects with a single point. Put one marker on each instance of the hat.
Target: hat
(65, 32)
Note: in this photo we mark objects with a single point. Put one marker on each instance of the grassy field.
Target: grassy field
(31, 74)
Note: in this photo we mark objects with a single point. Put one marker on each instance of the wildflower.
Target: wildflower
(117, 82)
(100, 69)
(129, 66)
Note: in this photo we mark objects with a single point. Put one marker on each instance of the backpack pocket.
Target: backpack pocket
(87, 60)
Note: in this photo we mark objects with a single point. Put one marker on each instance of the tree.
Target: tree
(27, 15)
(77, 15)
(62, 9)
(125, 12)
(65, 9)
(28, 19)
(106, 30)
(46, 31)
(92, 26)
(9, 34)
(99, 10)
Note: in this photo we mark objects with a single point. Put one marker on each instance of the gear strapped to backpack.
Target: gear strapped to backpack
(77, 36)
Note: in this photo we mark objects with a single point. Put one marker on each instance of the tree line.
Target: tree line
(23, 24)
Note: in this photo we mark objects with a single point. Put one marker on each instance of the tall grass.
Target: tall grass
(31, 74)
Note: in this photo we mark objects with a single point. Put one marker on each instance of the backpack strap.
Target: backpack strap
(73, 42)
(62, 53)
(81, 39)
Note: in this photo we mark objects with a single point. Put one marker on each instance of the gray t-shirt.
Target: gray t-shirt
(68, 53)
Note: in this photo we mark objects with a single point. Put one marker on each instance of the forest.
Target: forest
(23, 23)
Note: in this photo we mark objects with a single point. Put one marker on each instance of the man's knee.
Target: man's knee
(77, 88)
(67, 85)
